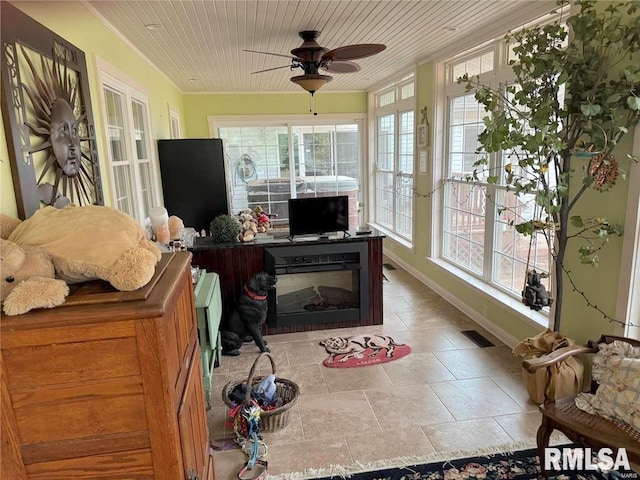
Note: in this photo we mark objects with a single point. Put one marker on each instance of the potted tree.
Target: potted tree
(576, 94)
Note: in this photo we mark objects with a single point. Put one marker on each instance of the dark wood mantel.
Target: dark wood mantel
(237, 263)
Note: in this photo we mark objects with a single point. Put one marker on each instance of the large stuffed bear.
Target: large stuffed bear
(28, 279)
(82, 243)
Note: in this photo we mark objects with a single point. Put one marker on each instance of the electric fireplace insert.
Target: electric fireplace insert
(318, 284)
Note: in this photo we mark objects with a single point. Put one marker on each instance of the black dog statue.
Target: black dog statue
(535, 296)
(245, 322)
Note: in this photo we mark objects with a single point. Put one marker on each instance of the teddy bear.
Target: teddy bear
(28, 279)
(82, 244)
(262, 219)
(248, 225)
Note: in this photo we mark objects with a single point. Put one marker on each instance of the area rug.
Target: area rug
(511, 465)
(362, 350)
(522, 465)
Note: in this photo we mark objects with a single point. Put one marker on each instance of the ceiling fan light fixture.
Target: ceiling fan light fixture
(311, 82)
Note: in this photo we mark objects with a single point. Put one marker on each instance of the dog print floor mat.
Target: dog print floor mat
(362, 350)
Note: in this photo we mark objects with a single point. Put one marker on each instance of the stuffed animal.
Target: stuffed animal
(87, 243)
(28, 279)
(248, 224)
(264, 222)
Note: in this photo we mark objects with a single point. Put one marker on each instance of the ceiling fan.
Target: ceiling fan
(312, 58)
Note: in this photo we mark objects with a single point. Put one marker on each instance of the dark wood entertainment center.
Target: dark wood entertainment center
(359, 256)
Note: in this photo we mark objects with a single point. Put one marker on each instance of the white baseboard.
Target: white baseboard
(474, 315)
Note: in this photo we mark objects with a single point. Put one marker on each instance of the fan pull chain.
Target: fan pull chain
(312, 99)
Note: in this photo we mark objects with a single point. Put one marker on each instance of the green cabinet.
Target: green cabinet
(209, 313)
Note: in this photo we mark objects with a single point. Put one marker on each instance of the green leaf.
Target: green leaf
(576, 221)
(591, 110)
(633, 103)
(586, 250)
(526, 228)
(588, 180)
(492, 179)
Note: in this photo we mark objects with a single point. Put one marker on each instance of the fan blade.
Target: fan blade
(269, 69)
(353, 52)
(342, 67)
(276, 54)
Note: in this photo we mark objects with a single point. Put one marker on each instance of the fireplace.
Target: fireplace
(318, 284)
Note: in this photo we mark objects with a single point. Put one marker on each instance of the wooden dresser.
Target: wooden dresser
(108, 385)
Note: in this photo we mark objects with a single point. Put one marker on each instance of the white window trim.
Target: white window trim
(174, 116)
(442, 89)
(375, 111)
(110, 76)
(436, 173)
(628, 305)
(290, 121)
(215, 121)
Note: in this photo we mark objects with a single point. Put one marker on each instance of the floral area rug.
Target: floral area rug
(362, 350)
(522, 465)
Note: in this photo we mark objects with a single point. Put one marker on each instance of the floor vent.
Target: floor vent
(388, 266)
(477, 338)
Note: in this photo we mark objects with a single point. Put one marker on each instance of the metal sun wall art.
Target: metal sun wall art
(47, 116)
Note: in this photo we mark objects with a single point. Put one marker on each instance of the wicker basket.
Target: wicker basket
(287, 390)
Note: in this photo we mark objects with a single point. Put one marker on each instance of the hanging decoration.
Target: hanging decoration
(47, 115)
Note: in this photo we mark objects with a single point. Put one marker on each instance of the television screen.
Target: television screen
(318, 215)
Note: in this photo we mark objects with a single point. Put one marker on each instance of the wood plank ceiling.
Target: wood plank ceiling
(199, 45)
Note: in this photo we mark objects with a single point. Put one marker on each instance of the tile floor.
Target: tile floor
(447, 395)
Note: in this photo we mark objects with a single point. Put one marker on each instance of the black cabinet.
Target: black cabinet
(193, 180)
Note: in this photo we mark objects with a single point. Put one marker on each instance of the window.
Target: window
(174, 124)
(270, 161)
(394, 158)
(130, 151)
(476, 234)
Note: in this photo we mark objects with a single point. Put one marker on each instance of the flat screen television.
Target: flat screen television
(318, 215)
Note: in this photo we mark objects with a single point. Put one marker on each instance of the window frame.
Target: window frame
(445, 89)
(397, 108)
(175, 130)
(628, 302)
(112, 79)
(290, 122)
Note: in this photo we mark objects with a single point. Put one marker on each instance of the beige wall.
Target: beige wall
(198, 106)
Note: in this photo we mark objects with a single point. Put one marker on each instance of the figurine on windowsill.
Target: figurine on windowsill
(534, 295)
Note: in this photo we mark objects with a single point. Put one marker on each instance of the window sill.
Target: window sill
(393, 236)
(532, 317)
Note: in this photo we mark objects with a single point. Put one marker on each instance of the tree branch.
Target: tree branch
(592, 305)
